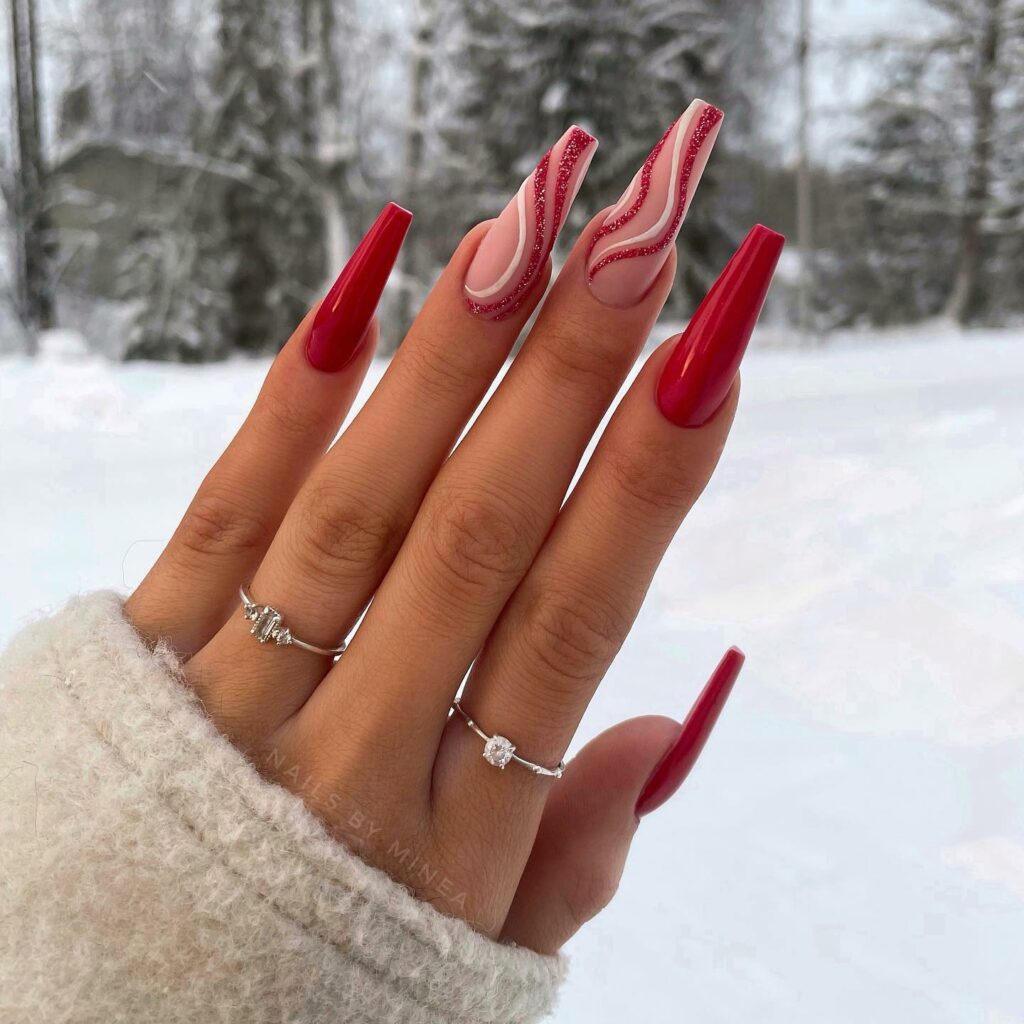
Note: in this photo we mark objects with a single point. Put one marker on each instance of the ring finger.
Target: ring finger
(559, 633)
(493, 503)
(225, 532)
(342, 532)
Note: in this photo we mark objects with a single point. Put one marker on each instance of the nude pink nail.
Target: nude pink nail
(513, 253)
(631, 245)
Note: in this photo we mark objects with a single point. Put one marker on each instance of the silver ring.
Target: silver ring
(268, 624)
(499, 750)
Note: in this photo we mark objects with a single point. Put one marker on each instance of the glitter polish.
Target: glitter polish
(630, 247)
(512, 254)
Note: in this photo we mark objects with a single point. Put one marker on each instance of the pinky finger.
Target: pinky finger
(592, 815)
(227, 528)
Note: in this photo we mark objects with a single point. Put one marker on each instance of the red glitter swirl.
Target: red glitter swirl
(709, 117)
(645, 186)
(579, 141)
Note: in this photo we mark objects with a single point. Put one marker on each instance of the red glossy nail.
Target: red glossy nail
(339, 327)
(673, 768)
(699, 373)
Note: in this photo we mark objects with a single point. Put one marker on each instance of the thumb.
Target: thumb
(592, 815)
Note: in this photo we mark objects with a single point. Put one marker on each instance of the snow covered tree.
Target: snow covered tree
(239, 274)
(267, 221)
(1005, 224)
(34, 236)
(181, 287)
(417, 261)
(134, 79)
(890, 217)
(984, 37)
(133, 69)
(623, 69)
(330, 54)
(933, 215)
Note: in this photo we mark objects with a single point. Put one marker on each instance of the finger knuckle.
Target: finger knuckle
(577, 358)
(652, 479)
(478, 541)
(343, 540)
(286, 416)
(220, 526)
(439, 368)
(574, 636)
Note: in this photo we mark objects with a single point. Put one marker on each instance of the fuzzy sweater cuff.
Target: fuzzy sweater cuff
(147, 872)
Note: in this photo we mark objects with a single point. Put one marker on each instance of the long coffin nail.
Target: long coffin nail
(673, 768)
(513, 253)
(700, 371)
(339, 327)
(631, 246)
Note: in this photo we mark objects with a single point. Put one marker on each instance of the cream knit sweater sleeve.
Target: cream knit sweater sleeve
(148, 873)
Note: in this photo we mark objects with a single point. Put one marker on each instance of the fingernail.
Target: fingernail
(673, 768)
(339, 327)
(700, 371)
(513, 253)
(631, 246)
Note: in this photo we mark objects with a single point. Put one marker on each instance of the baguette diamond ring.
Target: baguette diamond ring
(268, 624)
(499, 750)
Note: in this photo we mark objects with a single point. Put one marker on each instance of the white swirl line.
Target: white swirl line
(520, 247)
(670, 197)
(626, 199)
(580, 170)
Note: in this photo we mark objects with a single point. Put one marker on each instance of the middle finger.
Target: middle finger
(342, 531)
(493, 502)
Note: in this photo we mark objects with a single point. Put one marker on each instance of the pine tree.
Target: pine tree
(891, 218)
(1005, 223)
(933, 217)
(133, 74)
(623, 69)
(417, 260)
(239, 273)
(178, 284)
(981, 28)
(267, 222)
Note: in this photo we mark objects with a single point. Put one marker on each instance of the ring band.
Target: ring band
(268, 624)
(499, 750)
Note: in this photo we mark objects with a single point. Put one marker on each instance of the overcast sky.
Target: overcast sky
(840, 83)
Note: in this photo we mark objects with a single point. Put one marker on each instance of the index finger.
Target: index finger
(190, 591)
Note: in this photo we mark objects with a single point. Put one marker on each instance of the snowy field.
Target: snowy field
(851, 845)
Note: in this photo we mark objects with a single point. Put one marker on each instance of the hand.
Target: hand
(470, 559)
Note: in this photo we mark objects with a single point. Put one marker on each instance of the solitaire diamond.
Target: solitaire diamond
(498, 751)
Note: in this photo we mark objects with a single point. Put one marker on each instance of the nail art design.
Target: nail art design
(512, 254)
(699, 373)
(631, 246)
(339, 327)
(672, 769)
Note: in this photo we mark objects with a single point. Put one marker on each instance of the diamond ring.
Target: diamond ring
(268, 624)
(499, 750)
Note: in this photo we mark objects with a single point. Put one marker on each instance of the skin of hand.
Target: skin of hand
(478, 568)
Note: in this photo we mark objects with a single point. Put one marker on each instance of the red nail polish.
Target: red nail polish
(340, 324)
(699, 373)
(673, 768)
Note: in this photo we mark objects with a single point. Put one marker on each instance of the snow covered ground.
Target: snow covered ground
(851, 846)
